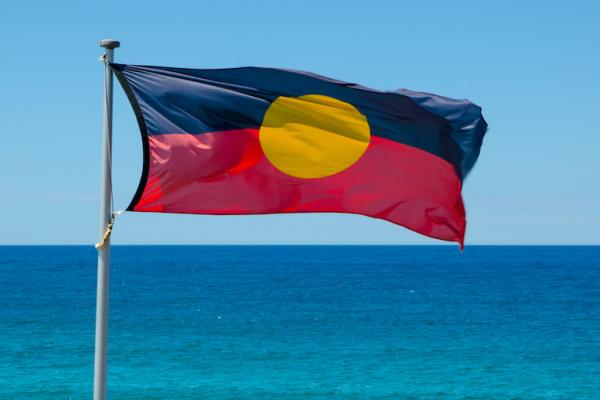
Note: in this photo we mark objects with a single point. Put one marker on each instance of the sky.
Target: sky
(532, 66)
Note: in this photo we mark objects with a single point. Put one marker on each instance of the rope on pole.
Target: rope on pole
(108, 230)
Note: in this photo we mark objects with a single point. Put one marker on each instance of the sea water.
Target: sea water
(305, 322)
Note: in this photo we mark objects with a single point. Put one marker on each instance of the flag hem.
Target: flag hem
(143, 133)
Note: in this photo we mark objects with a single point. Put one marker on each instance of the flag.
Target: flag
(264, 140)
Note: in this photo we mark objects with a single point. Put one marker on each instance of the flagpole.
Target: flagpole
(105, 219)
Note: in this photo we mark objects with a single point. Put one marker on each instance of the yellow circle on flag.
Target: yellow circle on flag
(313, 136)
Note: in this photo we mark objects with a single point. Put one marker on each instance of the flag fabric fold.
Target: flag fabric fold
(263, 140)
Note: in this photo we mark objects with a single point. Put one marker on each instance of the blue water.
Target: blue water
(305, 323)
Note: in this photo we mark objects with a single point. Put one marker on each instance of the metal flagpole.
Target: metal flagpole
(105, 219)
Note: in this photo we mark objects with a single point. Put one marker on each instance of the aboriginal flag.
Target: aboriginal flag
(263, 140)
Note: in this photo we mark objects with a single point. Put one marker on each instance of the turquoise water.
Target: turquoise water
(305, 322)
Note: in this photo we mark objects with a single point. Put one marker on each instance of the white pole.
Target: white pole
(105, 217)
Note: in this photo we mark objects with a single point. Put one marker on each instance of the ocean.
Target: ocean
(305, 322)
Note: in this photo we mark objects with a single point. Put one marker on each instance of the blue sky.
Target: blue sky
(532, 66)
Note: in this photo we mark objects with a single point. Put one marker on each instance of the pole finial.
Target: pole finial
(109, 43)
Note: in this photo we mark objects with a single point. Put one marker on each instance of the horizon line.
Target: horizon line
(311, 244)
